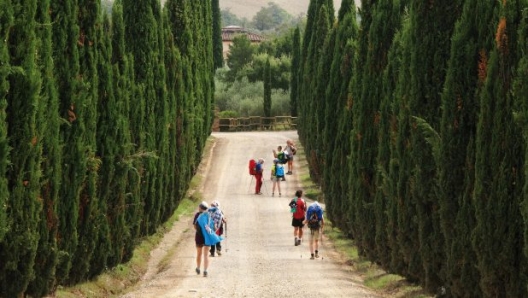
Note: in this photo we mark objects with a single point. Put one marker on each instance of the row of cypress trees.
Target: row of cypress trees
(422, 145)
(103, 119)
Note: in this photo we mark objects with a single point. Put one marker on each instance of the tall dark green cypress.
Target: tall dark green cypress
(499, 165)
(432, 26)
(267, 89)
(218, 52)
(295, 65)
(48, 124)
(471, 43)
(141, 23)
(24, 208)
(66, 69)
(6, 21)
(386, 20)
(338, 112)
(127, 206)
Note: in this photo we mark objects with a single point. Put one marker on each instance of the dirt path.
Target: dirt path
(259, 258)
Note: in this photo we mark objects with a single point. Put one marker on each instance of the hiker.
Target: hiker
(281, 156)
(298, 209)
(277, 173)
(204, 236)
(315, 221)
(219, 219)
(258, 176)
(290, 151)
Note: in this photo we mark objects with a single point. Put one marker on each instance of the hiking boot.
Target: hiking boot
(280, 194)
(197, 270)
(272, 194)
(283, 179)
(211, 255)
(205, 273)
(219, 253)
(316, 254)
(312, 257)
(298, 242)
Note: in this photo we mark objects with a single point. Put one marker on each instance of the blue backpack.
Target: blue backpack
(279, 170)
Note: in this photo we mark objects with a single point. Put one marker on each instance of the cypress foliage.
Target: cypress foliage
(66, 68)
(431, 30)
(48, 125)
(141, 27)
(295, 69)
(386, 19)
(89, 224)
(110, 188)
(19, 246)
(267, 89)
(497, 237)
(338, 113)
(471, 42)
(6, 21)
(127, 206)
(218, 53)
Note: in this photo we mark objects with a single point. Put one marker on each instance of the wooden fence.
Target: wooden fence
(255, 123)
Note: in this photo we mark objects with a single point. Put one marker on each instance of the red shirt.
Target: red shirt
(301, 209)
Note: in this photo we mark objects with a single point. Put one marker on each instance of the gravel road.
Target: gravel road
(259, 259)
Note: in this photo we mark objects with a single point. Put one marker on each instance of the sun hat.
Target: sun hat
(204, 205)
(215, 203)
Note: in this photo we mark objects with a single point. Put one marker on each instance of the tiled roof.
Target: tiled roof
(229, 32)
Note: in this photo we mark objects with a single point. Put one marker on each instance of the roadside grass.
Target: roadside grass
(375, 278)
(114, 282)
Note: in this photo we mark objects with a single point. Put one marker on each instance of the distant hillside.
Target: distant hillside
(248, 8)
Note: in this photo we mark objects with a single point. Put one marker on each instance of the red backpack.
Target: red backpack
(252, 167)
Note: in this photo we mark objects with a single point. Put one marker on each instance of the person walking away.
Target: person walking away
(258, 176)
(277, 173)
(298, 209)
(315, 221)
(219, 219)
(281, 156)
(204, 236)
(290, 150)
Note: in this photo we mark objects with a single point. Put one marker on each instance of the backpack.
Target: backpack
(282, 157)
(313, 222)
(293, 205)
(279, 170)
(252, 167)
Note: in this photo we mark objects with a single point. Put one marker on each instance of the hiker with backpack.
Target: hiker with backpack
(281, 156)
(218, 219)
(277, 174)
(204, 236)
(315, 221)
(259, 169)
(298, 209)
(290, 151)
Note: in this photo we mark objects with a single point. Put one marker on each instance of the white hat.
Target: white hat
(204, 205)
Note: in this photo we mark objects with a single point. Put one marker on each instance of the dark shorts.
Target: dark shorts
(297, 222)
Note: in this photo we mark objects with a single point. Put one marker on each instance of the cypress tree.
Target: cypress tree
(428, 64)
(386, 20)
(6, 21)
(338, 112)
(66, 68)
(218, 52)
(499, 168)
(88, 19)
(127, 205)
(295, 65)
(141, 22)
(267, 89)
(48, 124)
(19, 247)
(470, 44)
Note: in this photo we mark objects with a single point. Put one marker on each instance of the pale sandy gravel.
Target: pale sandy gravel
(259, 257)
